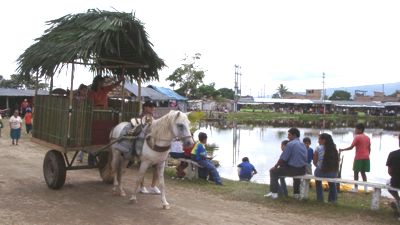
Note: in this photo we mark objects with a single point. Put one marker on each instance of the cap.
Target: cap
(149, 104)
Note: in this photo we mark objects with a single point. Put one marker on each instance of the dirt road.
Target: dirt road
(85, 199)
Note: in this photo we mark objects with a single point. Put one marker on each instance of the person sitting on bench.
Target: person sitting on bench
(292, 162)
(393, 164)
(199, 155)
(326, 161)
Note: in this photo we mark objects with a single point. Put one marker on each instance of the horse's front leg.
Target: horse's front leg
(115, 168)
(142, 170)
(123, 163)
(160, 172)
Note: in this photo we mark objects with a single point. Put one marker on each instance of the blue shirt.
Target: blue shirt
(295, 153)
(246, 170)
(199, 152)
(310, 154)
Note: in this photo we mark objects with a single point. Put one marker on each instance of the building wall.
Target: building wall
(313, 94)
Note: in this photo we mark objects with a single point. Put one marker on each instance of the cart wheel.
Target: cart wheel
(104, 164)
(54, 169)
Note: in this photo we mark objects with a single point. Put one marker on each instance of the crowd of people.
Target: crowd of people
(296, 157)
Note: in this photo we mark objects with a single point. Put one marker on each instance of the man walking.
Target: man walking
(393, 164)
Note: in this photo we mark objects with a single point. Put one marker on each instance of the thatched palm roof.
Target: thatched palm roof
(101, 39)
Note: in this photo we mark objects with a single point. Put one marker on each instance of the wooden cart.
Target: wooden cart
(66, 132)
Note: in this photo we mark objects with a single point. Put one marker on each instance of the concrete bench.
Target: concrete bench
(377, 187)
(192, 169)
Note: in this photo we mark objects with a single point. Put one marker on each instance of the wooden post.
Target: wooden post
(36, 84)
(71, 96)
(51, 84)
(139, 81)
(375, 199)
(121, 113)
(8, 105)
(304, 188)
(36, 94)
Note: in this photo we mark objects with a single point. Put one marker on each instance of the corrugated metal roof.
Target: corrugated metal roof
(20, 92)
(282, 100)
(146, 92)
(168, 92)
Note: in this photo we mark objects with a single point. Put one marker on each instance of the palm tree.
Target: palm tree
(282, 90)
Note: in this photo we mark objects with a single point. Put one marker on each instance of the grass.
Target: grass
(349, 205)
(245, 116)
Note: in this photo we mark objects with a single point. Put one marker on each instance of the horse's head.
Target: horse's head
(175, 124)
(180, 128)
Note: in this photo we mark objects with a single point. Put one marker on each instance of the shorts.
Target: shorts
(15, 133)
(361, 165)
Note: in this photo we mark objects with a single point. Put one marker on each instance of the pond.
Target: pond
(261, 144)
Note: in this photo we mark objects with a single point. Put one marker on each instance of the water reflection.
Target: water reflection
(261, 143)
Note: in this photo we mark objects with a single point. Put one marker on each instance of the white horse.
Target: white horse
(155, 149)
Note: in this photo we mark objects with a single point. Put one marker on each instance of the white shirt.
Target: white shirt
(176, 146)
(15, 122)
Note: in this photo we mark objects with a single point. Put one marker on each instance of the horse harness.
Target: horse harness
(151, 143)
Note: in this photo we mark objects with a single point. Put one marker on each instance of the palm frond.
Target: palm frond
(109, 41)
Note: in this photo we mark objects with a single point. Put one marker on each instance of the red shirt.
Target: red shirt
(362, 144)
(100, 98)
(28, 118)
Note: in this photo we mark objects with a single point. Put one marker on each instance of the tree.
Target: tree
(207, 91)
(226, 93)
(22, 82)
(276, 95)
(282, 91)
(394, 94)
(340, 95)
(188, 77)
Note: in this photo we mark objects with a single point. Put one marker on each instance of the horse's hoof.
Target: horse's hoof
(132, 200)
(122, 194)
(166, 207)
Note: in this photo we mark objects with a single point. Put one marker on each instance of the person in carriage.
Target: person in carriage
(98, 91)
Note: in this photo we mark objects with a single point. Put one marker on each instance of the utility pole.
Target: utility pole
(236, 87)
(323, 91)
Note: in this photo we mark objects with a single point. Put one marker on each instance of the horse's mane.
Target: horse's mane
(162, 125)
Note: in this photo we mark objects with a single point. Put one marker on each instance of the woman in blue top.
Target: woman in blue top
(326, 161)
(199, 155)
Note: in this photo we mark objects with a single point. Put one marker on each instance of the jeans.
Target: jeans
(332, 186)
(287, 171)
(211, 168)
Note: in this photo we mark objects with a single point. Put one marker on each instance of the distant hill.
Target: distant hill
(387, 88)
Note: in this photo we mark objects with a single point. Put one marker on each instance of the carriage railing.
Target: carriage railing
(51, 119)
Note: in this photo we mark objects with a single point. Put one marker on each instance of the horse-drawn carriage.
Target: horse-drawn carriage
(114, 43)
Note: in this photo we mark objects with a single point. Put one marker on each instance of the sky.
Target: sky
(289, 42)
